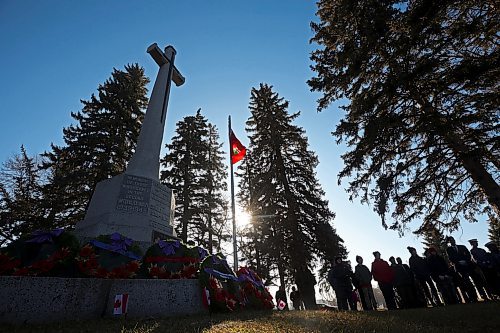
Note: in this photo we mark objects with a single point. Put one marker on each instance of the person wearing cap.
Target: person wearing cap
(461, 259)
(364, 279)
(440, 273)
(384, 275)
(423, 276)
(339, 278)
(494, 254)
(484, 274)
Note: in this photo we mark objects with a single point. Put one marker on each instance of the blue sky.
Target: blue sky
(55, 53)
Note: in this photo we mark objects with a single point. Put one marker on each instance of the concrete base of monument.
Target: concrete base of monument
(50, 299)
(137, 207)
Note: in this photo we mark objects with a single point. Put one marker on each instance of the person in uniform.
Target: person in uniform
(461, 259)
(423, 275)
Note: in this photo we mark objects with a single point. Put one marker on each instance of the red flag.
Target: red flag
(238, 151)
(121, 304)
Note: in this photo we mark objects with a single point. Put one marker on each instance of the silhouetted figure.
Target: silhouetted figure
(364, 285)
(305, 282)
(494, 254)
(418, 298)
(403, 282)
(460, 257)
(494, 259)
(281, 296)
(423, 276)
(296, 299)
(339, 278)
(440, 272)
(481, 273)
(384, 275)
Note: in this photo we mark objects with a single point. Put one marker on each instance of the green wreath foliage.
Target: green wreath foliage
(220, 284)
(41, 253)
(172, 259)
(110, 256)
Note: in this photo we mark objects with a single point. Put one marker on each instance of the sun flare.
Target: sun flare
(243, 218)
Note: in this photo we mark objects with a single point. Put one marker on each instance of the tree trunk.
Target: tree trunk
(483, 179)
(281, 272)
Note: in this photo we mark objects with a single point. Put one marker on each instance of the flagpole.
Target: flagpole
(235, 246)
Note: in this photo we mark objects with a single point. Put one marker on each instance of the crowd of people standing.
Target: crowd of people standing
(434, 279)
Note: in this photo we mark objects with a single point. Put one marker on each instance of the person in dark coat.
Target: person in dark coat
(364, 283)
(384, 275)
(296, 299)
(281, 296)
(417, 301)
(461, 259)
(440, 273)
(403, 283)
(494, 259)
(405, 266)
(423, 275)
(493, 255)
(482, 275)
(339, 278)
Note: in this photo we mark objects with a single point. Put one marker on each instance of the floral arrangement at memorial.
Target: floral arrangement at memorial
(172, 259)
(256, 294)
(41, 253)
(221, 289)
(110, 256)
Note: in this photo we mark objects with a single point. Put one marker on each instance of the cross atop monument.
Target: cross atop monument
(146, 160)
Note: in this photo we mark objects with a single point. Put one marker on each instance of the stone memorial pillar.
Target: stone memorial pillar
(135, 203)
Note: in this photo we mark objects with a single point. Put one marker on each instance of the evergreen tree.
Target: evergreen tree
(194, 169)
(421, 78)
(284, 186)
(433, 237)
(20, 193)
(494, 229)
(98, 146)
(216, 205)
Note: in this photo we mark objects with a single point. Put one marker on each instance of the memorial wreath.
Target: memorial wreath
(42, 253)
(109, 256)
(256, 294)
(172, 259)
(221, 290)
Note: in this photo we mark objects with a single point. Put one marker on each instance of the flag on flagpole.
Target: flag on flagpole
(238, 151)
(121, 304)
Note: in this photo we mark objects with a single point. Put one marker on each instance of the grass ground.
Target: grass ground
(481, 317)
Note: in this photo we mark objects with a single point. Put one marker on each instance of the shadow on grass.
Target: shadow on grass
(481, 317)
(195, 323)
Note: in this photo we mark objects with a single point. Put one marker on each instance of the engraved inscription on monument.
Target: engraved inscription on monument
(134, 195)
(158, 204)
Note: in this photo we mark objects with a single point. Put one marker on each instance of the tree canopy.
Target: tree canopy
(419, 83)
(98, 146)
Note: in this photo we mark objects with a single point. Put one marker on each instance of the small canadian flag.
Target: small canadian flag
(206, 297)
(281, 305)
(121, 304)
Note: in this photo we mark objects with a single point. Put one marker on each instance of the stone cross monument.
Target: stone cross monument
(135, 203)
